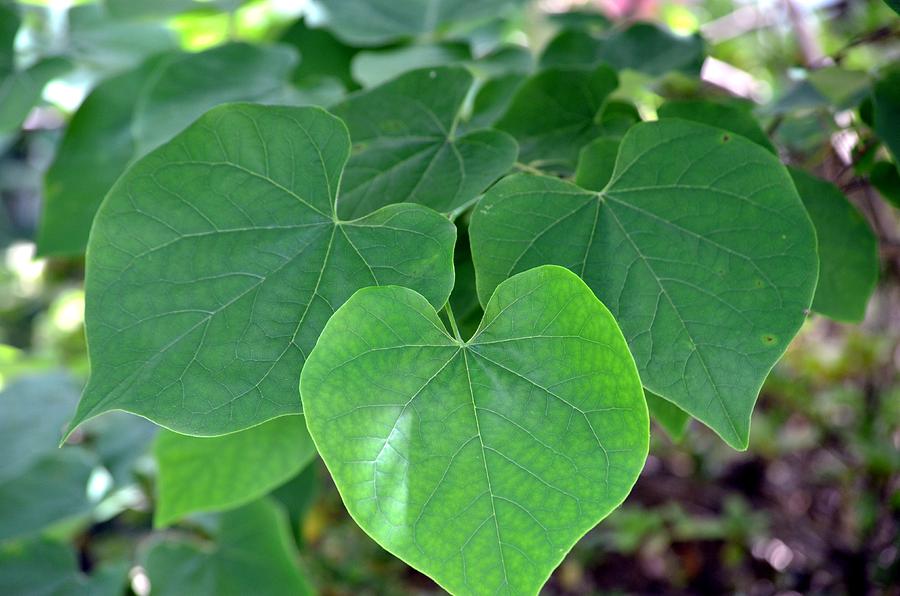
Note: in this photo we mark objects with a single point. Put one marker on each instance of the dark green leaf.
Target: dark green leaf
(405, 146)
(321, 55)
(886, 179)
(218, 473)
(848, 250)
(650, 49)
(479, 463)
(251, 553)
(215, 261)
(553, 114)
(672, 246)
(886, 103)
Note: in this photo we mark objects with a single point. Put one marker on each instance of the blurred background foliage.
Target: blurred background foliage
(812, 506)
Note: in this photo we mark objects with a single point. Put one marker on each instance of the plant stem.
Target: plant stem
(449, 311)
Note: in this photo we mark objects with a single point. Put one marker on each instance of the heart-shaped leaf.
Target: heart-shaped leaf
(405, 147)
(216, 260)
(721, 115)
(554, 113)
(218, 473)
(672, 246)
(480, 463)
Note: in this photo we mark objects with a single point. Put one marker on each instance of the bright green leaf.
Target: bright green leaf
(128, 115)
(848, 250)
(251, 552)
(217, 473)
(479, 463)
(553, 114)
(405, 146)
(216, 260)
(672, 246)
(670, 417)
(721, 115)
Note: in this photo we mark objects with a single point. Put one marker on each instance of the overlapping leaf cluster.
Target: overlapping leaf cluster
(480, 268)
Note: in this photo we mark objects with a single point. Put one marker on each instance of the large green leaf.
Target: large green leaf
(672, 246)
(721, 115)
(553, 114)
(848, 250)
(886, 104)
(215, 261)
(128, 115)
(251, 552)
(405, 146)
(376, 22)
(217, 473)
(480, 463)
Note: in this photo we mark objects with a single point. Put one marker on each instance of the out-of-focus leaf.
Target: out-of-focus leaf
(886, 103)
(553, 114)
(216, 260)
(572, 48)
(672, 246)
(886, 179)
(126, 116)
(321, 55)
(721, 115)
(296, 496)
(9, 27)
(580, 19)
(376, 22)
(670, 417)
(218, 473)
(848, 250)
(372, 68)
(644, 47)
(251, 552)
(653, 50)
(405, 146)
(21, 90)
(103, 43)
(41, 567)
(120, 440)
(843, 88)
(480, 463)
